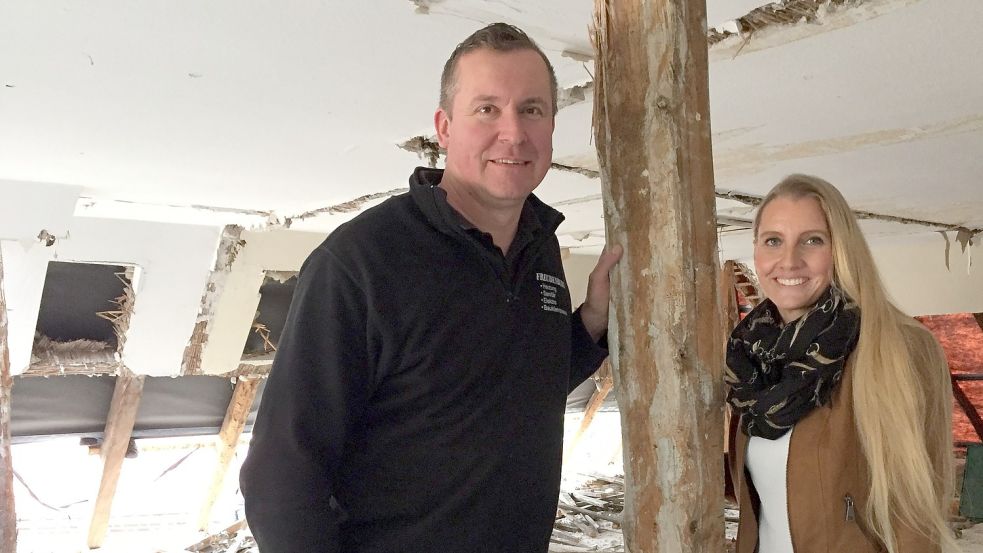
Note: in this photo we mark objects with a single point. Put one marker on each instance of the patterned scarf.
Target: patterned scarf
(778, 374)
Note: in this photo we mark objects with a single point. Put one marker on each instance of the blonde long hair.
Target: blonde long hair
(902, 403)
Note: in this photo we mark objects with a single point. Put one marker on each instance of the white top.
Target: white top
(767, 463)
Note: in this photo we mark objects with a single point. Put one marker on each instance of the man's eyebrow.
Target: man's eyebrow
(533, 100)
(484, 98)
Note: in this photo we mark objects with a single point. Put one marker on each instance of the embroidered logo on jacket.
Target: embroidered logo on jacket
(549, 287)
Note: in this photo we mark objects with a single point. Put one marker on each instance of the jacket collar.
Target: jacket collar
(433, 202)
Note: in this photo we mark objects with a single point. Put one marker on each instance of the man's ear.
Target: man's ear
(441, 123)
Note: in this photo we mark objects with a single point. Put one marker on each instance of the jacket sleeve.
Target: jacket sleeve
(586, 355)
(318, 386)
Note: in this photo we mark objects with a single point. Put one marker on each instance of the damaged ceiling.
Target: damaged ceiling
(139, 134)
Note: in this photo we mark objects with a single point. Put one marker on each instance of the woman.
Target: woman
(845, 401)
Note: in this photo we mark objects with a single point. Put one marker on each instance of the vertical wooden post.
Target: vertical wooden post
(228, 438)
(652, 131)
(119, 427)
(8, 516)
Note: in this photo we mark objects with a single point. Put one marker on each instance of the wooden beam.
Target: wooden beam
(652, 131)
(119, 427)
(8, 516)
(729, 317)
(967, 406)
(605, 383)
(228, 439)
(979, 319)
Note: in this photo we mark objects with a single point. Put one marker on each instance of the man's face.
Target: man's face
(499, 133)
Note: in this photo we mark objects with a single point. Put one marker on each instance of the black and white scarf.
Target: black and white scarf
(779, 373)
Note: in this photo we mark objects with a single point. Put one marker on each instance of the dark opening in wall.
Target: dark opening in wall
(274, 302)
(81, 301)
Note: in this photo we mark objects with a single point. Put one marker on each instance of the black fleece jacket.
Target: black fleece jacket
(417, 396)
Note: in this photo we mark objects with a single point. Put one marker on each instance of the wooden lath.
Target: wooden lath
(747, 284)
(120, 317)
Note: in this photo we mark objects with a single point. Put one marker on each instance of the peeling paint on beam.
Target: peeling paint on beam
(754, 200)
(344, 207)
(775, 14)
(421, 145)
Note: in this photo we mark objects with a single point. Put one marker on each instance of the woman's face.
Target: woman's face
(793, 257)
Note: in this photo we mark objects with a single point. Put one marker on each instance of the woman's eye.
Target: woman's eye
(772, 241)
(815, 241)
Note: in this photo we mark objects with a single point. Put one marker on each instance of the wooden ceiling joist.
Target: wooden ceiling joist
(119, 428)
(228, 438)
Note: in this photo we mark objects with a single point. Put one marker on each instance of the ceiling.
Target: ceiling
(286, 108)
(199, 114)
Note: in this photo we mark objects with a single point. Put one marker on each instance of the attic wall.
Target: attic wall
(925, 276)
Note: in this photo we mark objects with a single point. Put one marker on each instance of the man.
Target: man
(416, 401)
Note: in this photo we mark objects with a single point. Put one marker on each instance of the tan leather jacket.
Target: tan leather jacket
(827, 477)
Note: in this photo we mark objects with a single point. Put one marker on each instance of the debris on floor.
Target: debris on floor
(589, 518)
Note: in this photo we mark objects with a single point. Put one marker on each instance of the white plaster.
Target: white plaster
(174, 263)
(29, 207)
(24, 268)
(234, 308)
(915, 274)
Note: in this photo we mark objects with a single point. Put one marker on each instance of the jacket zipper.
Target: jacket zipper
(850, 514)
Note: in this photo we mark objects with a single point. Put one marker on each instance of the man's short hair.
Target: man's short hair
(500, 37)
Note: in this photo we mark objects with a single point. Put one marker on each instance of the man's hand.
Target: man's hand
(594, 312)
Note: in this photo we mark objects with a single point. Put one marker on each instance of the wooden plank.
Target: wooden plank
(605, 383)
(8, 515)
(228, 437)
(729, 317)
(963, 400)
(119, 427)
(652, 131)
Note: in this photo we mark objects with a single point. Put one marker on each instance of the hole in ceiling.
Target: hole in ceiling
(274, 301)
(85, 302)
